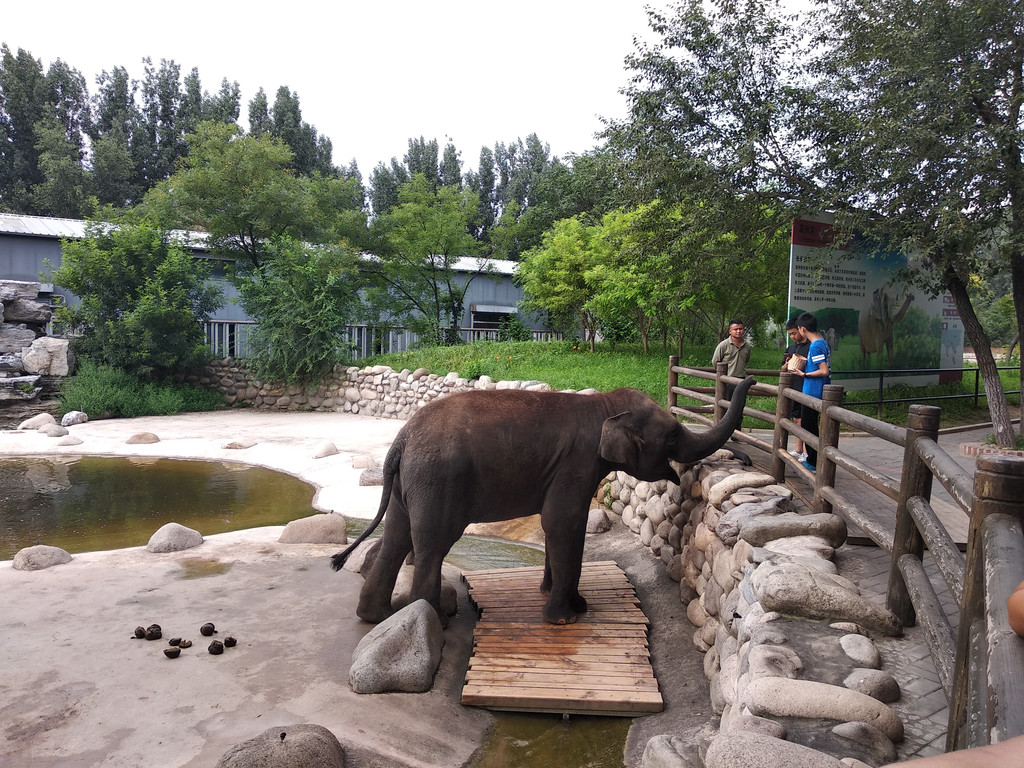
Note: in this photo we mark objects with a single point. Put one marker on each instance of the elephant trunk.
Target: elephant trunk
(703, 444)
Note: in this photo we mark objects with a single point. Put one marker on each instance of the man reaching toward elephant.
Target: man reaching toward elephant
(488, 456)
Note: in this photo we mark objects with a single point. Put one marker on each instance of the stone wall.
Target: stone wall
(371, 391)
(792, 670)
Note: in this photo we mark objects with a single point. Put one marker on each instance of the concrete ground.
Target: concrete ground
(76, 691)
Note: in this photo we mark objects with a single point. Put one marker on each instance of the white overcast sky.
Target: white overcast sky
(374, 73)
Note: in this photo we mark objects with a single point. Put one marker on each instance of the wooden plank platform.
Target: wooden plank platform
(598, 666)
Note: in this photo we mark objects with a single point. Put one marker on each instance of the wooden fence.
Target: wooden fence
(980, 663)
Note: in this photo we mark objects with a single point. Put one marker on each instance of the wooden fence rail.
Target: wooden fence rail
(979, 659)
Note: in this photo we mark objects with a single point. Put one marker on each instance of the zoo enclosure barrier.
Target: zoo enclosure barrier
(980, 663)
(230, 338)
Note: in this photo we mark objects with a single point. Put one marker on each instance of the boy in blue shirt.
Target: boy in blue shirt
(816, 376)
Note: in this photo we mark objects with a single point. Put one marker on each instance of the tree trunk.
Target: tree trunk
(998, 407)
(1017, 278)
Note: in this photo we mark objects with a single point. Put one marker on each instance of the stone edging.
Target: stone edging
(793, 674)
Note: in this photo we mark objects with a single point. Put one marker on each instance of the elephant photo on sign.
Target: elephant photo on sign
(488, 456)
(877, 322)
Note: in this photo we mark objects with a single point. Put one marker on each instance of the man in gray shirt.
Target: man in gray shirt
(734, 351)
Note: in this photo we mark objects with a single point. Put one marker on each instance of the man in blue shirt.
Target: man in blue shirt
(816, 376)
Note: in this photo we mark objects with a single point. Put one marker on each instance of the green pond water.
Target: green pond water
(84, 504)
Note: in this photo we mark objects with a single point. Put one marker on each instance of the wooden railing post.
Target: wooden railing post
(780, 437)
(828, 435)
(916, 480)
(720, 371)
(673, 382)
(998, 488)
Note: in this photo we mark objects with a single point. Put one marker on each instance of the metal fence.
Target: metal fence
(230, 338)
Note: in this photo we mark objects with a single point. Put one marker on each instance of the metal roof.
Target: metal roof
(47, 226)
(40, 226)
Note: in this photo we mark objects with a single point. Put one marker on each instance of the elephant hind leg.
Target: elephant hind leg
(396, 543)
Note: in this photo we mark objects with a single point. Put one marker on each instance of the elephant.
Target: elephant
(486, 456)
(875, 326)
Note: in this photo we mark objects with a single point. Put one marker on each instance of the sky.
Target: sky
(371, 75)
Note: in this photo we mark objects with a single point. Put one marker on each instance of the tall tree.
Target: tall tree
(259, 114)
(23, 97)
(65, 188)
(312, 153)
(926, 134)
(424, 238)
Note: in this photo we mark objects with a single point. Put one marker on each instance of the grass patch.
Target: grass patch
(101, 391)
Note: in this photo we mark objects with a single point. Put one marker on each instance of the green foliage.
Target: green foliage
(103, 391)
(303, 296)
(422, 241)
(143, 299)
(511, 328)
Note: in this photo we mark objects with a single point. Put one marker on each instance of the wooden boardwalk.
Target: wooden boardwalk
(598, 666)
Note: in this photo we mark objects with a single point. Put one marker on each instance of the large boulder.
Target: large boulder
(287, 746)
(174, 537)
(325, 528)
(47, 356)
(401, 653)
(39, 557)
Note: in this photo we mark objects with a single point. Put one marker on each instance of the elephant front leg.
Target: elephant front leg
(375, 596)
(563, 562)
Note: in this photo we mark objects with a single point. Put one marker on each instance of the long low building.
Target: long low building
(30, 247)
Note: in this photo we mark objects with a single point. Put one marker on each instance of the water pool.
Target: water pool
(87, 503)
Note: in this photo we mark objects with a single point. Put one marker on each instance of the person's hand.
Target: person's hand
(796, 364)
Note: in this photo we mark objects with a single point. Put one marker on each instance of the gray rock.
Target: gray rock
(803, 546)
(356, 562)
(762, 555)
(759, 531)
(762, 725)
(728, 528)
(326, 528)
(861, 650)
(39, 557)
(881, 748)
(722, 490)
(668, 751)
(15, 338)
(402, 594)
(371, 476)
(142, 438)
(37, 421)
(174, 537)
(48, 356)
(597, 521)
(239, 445)
(782, 697)
(797, 591)
(54, 430)
(324, 449)
(746, 749)
(71, 418)
(874, 683)
(399, 654)
(287, 746)
(69, 440)
(773, 661)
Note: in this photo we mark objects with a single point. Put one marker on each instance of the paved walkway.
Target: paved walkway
(923, 706)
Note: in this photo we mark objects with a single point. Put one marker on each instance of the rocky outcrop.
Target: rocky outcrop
(793, 672)
(28, 357)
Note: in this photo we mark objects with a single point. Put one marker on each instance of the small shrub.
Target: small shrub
(101, 391)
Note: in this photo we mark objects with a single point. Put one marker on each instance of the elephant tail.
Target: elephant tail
(391, 463)
(704, 444)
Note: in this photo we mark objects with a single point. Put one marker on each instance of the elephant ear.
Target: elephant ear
(619, 443)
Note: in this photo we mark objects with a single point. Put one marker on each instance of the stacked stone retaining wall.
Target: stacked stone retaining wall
(370, 391)
(793, 672)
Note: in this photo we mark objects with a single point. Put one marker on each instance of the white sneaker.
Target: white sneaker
(795, 454)
(803, 456)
